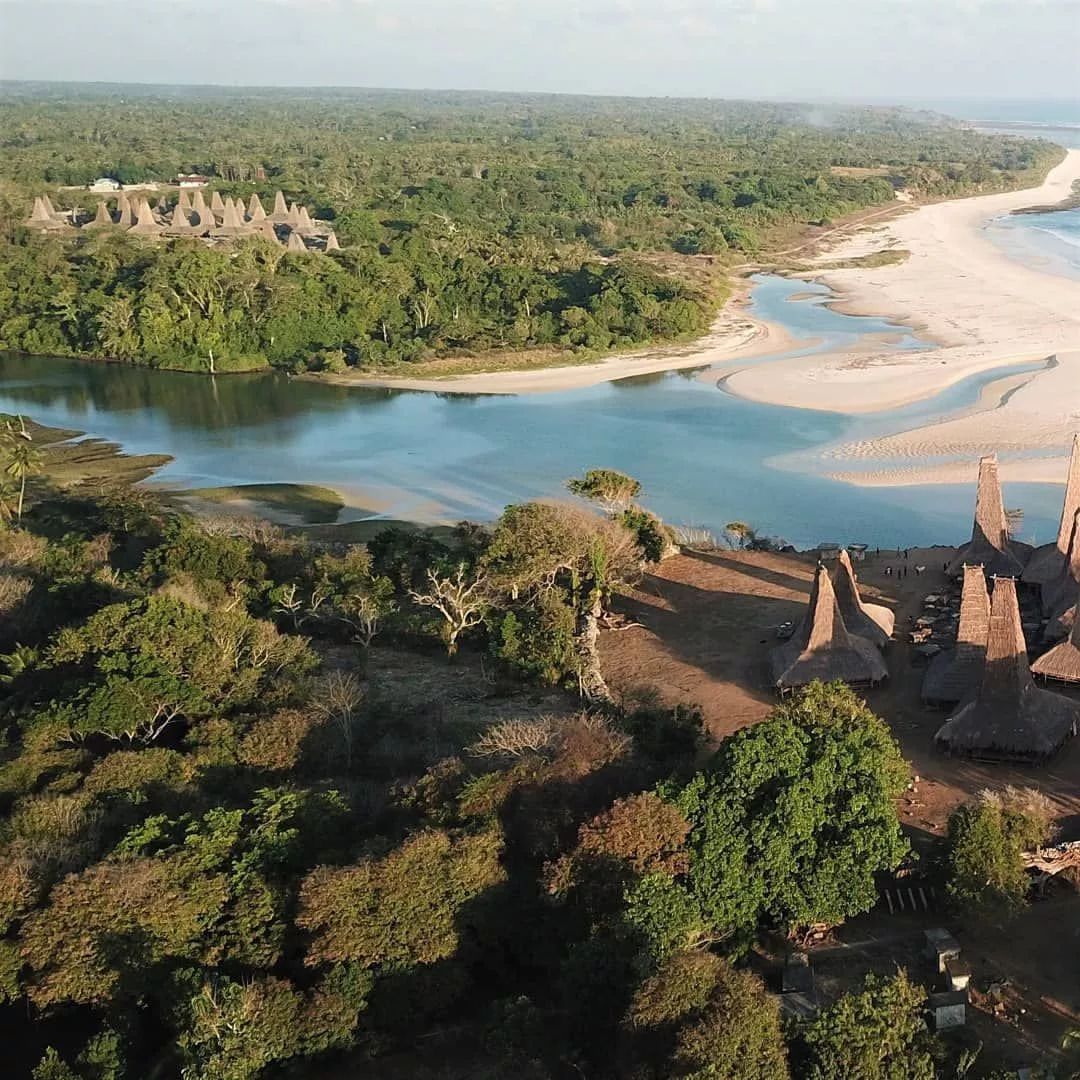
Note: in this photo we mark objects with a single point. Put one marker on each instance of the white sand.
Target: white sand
(734, 335)
(981, 307)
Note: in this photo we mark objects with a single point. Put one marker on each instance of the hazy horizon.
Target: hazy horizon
(845, 50)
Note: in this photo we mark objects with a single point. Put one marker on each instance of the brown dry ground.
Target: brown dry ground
(707, 624)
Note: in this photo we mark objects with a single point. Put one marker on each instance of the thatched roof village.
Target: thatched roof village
(224, 218)
(984, 673)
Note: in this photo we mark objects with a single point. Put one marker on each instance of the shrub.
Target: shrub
(983, 862)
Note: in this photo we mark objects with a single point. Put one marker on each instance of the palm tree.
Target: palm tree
(23, 458)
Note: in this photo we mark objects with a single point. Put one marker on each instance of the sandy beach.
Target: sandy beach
(735, 335)
(956, 287)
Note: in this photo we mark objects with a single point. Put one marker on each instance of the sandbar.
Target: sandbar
(956, 287)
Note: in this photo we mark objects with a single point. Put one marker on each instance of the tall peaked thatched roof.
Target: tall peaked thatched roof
(990, 544)
(198, 203)
(216, 203)
(184, 200)
(230, 218)
(145, 222)
(1059, 594)
(127, 218)
(305, 224)
(255, 208)
(1009, 717)
(102, 218)
(823, 648)
(1046, 561)
(1062, 662)
(266, 228)
(954, 674)
(39, 212)
(46, 202)
(332, 241)
(281, 209)
(296, 242)
(871, 621)
(179, 222)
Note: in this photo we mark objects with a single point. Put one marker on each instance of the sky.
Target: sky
(795, 49)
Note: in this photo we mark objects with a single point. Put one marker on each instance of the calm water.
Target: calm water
(701, 453)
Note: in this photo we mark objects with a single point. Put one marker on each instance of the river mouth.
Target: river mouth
(703, 456)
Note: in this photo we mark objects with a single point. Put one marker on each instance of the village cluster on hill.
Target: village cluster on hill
(221, 219)
(987, 677)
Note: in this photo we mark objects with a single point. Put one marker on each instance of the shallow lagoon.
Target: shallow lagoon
(702, 454)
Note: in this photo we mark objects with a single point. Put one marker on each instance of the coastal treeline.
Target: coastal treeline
(470, 223)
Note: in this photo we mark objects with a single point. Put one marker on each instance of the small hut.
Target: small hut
(1046, 561)
(296, 242)
(871, 621)
(332, 241)
(1062, 662)
(990, 544)
(823, 648)
(954, 674)
(1010, 719)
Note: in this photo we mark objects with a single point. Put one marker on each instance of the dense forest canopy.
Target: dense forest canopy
(470, 222)
(238, 841)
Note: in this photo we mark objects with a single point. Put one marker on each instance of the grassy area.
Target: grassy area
(310, 503)
(890, 257)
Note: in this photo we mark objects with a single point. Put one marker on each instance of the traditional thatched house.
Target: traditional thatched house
(956, 673)
(990, 544)
(255, 209)
(332, 241)
(1046, 561)
(823, 647)
(1062, 662)
(296, 242)
(45, 218)
(280, 214)
(304, 223)
(146, 224)
(126, 212)
(1009, 718)
(871, 621)
(102, 218)
(217, 204)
